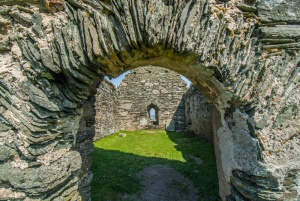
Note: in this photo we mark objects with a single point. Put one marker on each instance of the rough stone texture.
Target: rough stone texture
(127, 106)
(52, 56)
(198, 113)
(106, 120)
(151, 87)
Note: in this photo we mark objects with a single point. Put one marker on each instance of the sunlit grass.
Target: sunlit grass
(117, 159)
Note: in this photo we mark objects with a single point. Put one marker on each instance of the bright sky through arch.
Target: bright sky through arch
(152, 114)
(118, 80)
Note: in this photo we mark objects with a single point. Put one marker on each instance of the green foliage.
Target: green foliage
(116, 160)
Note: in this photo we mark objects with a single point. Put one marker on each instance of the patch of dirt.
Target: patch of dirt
(162, 183)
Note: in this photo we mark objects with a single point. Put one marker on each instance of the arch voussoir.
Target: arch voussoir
(241, 56)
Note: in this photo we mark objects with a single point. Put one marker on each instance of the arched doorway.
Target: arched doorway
(51, 63)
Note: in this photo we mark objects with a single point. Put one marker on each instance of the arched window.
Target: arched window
(153, 113)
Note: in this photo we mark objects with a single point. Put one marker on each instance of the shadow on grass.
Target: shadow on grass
(115, 171)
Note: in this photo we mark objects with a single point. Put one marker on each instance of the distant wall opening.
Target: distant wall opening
(153, 114)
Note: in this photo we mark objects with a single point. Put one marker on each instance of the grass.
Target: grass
(116, 160)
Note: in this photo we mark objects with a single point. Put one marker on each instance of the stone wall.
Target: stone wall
(151, 87)
(198, 114)
(127, 106)
(84, 138)
(106, 122)
(242, 54)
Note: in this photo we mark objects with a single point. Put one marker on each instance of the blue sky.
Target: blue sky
(118, 80)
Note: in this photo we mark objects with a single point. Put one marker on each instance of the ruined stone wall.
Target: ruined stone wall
(106, 109)
(125, 106)
(242, 54)
(198, 114)
(147, 87)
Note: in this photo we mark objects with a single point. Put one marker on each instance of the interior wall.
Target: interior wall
(106, 120)
(127, 107)
(198, 114)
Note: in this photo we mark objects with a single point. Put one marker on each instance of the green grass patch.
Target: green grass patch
(116, 160)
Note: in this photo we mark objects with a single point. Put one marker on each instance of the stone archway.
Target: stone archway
(242, 54)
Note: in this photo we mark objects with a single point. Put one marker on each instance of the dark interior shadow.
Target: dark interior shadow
(115, 171)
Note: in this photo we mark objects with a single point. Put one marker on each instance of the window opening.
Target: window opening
(152, 114)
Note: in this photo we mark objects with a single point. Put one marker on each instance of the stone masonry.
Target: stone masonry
(127, 107)
(244, 56)
(198, 114)
(106, 120)
(151, 87)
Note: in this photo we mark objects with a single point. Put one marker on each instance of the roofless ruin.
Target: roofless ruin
(243, 55)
